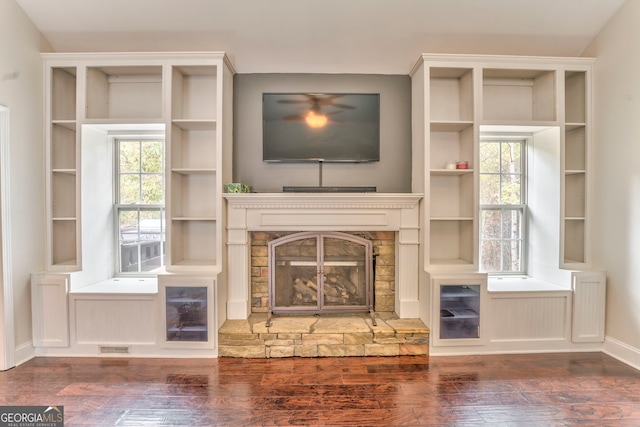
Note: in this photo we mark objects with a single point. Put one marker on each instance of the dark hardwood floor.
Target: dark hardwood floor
(588, 389)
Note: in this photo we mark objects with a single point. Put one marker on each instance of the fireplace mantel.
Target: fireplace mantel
(397, 212)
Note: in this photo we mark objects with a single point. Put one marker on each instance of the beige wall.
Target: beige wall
(21, 91)
(617, 172)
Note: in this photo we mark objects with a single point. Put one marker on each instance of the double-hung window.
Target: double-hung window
(140, 205)
(502, 206)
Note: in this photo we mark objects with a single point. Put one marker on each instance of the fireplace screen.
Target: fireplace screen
(320, 272)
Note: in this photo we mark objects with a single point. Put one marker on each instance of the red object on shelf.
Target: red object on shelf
(462, 165)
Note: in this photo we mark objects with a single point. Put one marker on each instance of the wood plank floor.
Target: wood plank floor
(588, 389)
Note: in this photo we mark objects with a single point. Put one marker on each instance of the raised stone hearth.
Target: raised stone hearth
(323, 336)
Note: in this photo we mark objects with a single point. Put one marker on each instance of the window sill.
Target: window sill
(122, 285)
(524, 284)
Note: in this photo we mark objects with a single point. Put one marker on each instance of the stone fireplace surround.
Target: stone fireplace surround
(347, 212)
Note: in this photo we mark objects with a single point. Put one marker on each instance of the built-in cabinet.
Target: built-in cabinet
(189, 94)
(187, 312)
(459, 317)
(454, 99)
(91, 98)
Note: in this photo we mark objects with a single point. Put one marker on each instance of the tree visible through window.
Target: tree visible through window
(140, 205)
(502, 206)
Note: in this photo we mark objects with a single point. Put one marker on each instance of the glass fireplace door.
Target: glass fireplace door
(296, 274)
(344, 273)
(315, 272)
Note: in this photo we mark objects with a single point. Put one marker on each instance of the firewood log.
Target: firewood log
(312, 285)
(330, 290)
(303, 289)
(344, 283)
(334, 300)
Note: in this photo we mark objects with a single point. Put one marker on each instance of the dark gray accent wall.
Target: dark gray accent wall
(391, 175)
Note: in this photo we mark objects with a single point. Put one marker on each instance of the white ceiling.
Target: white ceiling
(323, 36)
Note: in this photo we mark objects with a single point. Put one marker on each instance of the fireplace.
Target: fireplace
(254, 218)
(320, 272)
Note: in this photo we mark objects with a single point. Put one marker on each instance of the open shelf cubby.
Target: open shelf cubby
(519, 95)
(63, 242)
(124, 92)
(194, 93)
(575, 189)
(63, 94)
(193, 194)
(575, 97)
(193, 149)
(451, 242)
(575, 158)
(574, 241)
(63, 194)
(452, 195)
(193, 243)
(63, 147)
(448, 147)
(451, 94)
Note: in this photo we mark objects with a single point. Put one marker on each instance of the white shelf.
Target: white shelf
(446, 218)
(450, 126)
(194, 124)
(450, 172)
(194, 171)
(67, 124)
(192, 218)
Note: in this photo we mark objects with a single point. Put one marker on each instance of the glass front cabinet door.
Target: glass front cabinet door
(187, 312)
(458, 311)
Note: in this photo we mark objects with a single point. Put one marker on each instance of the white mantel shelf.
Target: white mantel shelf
(398, 212)
(325, 200)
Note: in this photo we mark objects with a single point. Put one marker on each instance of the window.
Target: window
(502, 206)
(140, 205)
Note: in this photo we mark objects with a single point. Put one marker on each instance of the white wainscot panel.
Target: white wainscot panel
(530, 317)
(103, 320)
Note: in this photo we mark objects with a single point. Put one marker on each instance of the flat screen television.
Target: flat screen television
(321, 127)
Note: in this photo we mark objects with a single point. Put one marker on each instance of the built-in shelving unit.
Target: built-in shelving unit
(575, 167)
(451, 140)
(188, 94)
(62, 176)
(193, 179)
(455, 98)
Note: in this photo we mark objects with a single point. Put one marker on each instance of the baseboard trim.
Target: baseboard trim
(621, 351)
(24, 353)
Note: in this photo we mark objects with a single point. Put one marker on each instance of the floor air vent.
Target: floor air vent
(114, 349)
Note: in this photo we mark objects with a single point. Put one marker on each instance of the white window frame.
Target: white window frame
(522, 207)
(119, 207)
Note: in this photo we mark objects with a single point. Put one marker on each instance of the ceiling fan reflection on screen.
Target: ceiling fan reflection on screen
(315, 117)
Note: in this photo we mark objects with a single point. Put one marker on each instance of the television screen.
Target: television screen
(312, 127)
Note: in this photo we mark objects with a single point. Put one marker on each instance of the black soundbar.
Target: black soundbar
(329, 189)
